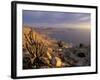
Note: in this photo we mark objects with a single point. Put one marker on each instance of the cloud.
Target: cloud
(47, 18)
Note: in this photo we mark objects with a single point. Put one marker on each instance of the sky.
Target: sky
(56, 19)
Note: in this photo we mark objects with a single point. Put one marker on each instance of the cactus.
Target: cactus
(36, 48)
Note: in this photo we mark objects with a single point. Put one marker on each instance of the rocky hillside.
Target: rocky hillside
(41, 51)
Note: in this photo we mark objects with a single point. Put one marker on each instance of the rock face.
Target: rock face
(78, 56)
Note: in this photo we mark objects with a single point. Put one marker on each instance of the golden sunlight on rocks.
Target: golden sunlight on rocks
(58, 62)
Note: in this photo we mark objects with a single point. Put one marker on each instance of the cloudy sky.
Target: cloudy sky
(56, 19)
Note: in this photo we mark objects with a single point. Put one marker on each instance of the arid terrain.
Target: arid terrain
(43, 51)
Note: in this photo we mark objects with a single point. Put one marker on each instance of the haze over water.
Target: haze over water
(73, 36)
